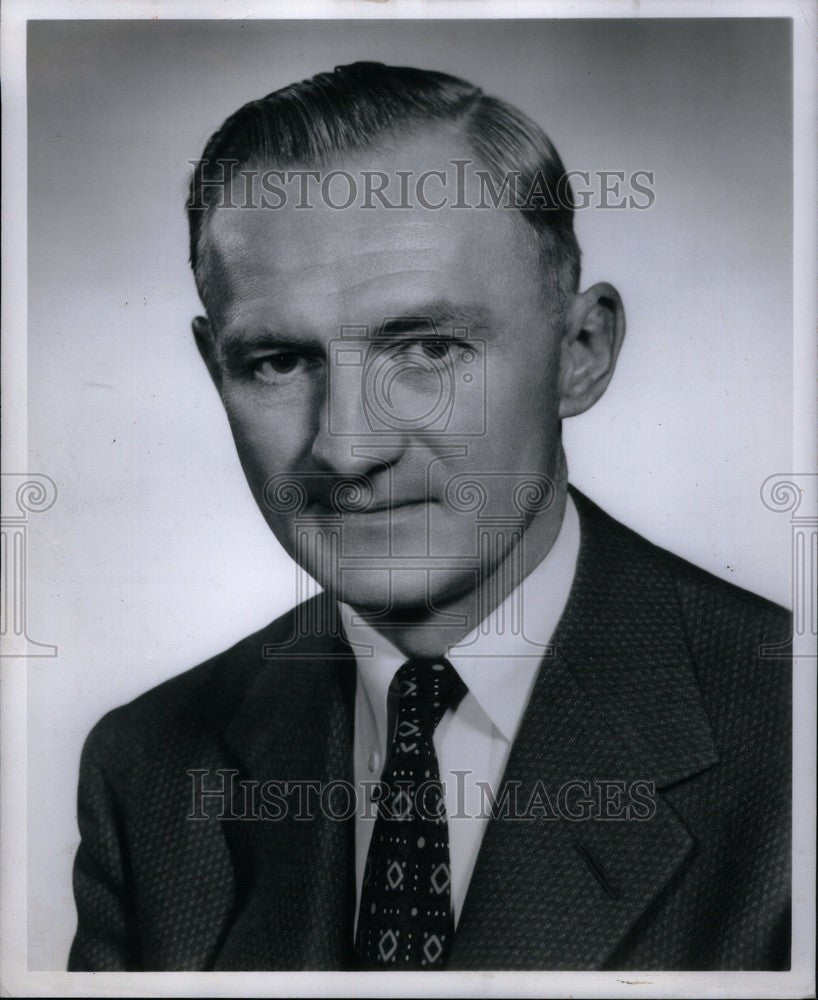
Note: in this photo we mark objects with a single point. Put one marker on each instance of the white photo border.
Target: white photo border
(15, 979)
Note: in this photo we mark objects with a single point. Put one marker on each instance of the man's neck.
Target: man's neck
(429, 633)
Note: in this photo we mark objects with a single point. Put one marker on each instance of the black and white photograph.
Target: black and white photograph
(409, 528)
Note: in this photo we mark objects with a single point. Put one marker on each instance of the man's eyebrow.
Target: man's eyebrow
(237, 343)
(438, 317)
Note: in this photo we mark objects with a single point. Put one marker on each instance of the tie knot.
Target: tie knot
(429, 687)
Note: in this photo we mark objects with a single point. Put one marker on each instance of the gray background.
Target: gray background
(154, 556)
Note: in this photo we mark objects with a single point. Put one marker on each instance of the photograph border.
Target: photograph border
(15, 979)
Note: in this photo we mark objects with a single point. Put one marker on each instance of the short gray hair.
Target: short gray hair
(351, 108)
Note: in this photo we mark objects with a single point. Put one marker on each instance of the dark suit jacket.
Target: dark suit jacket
(656, 674)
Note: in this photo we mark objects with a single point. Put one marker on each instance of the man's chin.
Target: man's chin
(409, 595)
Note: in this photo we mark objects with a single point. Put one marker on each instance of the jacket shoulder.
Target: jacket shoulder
(707, 602)
(707, 597)
(719, 614)
(193, 705)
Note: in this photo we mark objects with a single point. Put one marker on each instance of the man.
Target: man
(563, 747)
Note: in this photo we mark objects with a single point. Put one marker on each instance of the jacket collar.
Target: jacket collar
(294, 880)
(630, 698)
(296, 715)
(616, 698)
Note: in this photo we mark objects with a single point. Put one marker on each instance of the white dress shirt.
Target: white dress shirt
(498, 666)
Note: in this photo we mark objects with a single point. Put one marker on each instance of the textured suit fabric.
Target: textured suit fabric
(655, 673)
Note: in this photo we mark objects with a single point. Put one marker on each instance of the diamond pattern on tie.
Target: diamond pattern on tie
(405, 919)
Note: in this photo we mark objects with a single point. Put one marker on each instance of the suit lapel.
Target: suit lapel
(618, 700)
(294, 876)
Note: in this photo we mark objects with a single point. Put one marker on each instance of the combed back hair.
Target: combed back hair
(350, 109)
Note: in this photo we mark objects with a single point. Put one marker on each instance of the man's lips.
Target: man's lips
(379, 507)
(397, 505)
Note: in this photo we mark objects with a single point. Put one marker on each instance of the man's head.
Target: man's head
(419, 346)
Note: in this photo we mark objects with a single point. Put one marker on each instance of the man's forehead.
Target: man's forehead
(283, 228)
(357, 256)
(358, 242)
(289, 235)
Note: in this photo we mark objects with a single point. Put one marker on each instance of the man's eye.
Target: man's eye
(275, 365)
(435, 349)
(430, 350)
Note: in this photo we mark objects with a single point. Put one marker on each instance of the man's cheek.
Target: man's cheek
(262, 457)
(262, 439)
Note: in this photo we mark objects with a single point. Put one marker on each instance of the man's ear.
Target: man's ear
(205, 341)
(592, 336)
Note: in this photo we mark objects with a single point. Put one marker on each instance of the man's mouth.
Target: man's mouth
(375, 507)
(395, 505)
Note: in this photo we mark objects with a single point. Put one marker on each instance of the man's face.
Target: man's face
(408, 353)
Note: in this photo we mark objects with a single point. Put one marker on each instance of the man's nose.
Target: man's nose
(345, 441)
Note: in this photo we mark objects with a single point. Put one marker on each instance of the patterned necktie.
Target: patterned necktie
(405, 919)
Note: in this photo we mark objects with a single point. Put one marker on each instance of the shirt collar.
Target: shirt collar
(377, 659)
(498, 660)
